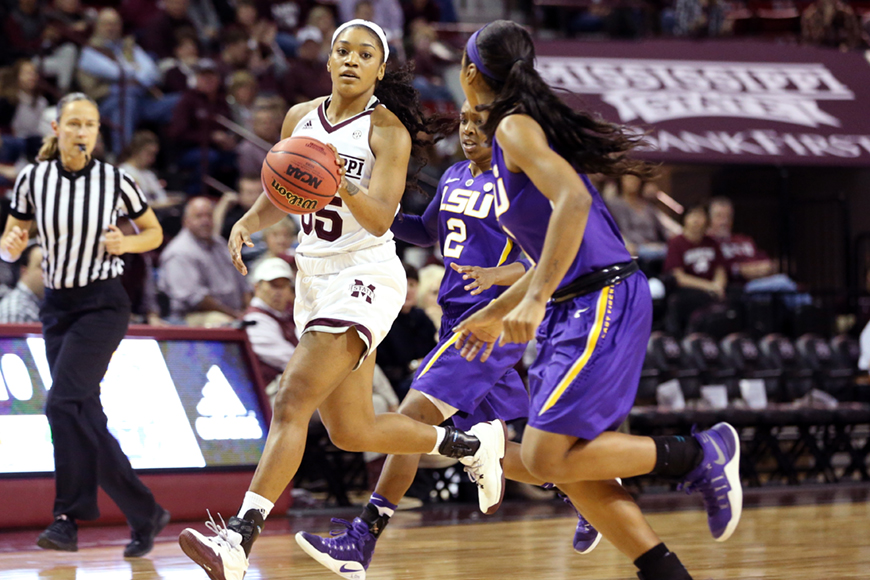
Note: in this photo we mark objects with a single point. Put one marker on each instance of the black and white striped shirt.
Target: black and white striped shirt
(72, 213)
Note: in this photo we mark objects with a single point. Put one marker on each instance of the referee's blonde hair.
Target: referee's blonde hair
(49, 149)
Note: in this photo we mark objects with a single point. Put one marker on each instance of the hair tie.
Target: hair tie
(474, 56)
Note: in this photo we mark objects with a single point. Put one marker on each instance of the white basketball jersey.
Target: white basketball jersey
(333, 229)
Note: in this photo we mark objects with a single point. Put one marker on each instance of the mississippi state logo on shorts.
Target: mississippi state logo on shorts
(358, 289)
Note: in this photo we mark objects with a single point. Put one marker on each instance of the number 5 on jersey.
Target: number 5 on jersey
(325, 223)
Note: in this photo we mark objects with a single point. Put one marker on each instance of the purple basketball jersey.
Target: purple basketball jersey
(523, 212)
(461, 218)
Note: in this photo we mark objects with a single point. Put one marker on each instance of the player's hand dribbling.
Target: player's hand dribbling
(13, 244)
(478, 333)
(239, 235)
(482, 278)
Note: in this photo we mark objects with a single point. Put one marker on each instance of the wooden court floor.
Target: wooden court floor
(828, 541)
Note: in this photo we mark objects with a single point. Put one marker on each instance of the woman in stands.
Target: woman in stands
(588, 304)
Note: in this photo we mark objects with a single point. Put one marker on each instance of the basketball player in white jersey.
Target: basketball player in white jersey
(349, 289)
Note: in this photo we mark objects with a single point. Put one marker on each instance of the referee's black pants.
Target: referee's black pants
(82, 328)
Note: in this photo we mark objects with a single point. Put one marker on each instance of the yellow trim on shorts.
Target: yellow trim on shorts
(594, 335)
(439, 353)
(508, 246)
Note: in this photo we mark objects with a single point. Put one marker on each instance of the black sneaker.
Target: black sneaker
(143, 540)
(61, 535)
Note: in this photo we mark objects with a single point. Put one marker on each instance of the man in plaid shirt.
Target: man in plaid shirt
(22, 303)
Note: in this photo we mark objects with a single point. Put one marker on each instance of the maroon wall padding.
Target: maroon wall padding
(28, 502)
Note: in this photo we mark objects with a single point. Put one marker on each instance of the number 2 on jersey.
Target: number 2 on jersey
(319, 221)
(456, 236)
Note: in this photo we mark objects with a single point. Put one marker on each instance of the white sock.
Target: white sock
(440, 432)
(253, 501)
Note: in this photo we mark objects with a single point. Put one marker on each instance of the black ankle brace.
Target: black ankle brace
(375, 520)
(658, 563)
(458, 444)
(249, 527)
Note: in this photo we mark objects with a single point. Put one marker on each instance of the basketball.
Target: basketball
(300, 175)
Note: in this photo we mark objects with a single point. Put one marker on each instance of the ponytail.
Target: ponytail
(50, 149)
(589, 143)
(397, 94)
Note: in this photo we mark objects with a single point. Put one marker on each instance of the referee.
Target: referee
(75, 201)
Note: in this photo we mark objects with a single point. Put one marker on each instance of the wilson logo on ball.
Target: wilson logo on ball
(303, 176)
(292, 198)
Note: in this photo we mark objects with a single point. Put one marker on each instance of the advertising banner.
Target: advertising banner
(722, 101)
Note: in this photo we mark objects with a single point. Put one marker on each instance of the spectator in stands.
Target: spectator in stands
(427, 292)
(307, 78)
(410, 339)
(233, 205)
(119, 74)
(287, 16)
(698, 18)
(387, 13)
(638, 220)
(205, 19)
(743, 260)
(22, 111)
(323, 19)
(280, 241)
(137, 159)
(270, 314)
(364, 10)
(267, 126)
(697, 268)
(864, 359)
(163, 27)
(197, 273)
(831, 23)
(266, 59)
(242, 94)
(430, 58)
(195, 130)
(424, 10)
(179, 71)
(68, 27)
(748, 267)
(23, 29)
(21, 305)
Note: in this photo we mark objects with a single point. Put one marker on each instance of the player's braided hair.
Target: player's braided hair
(589, 143)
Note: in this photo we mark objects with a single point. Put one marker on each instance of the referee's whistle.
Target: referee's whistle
(82, 148)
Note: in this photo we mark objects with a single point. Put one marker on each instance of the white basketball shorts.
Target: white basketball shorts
(363, 290)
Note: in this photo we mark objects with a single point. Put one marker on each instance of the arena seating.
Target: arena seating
(814, 427)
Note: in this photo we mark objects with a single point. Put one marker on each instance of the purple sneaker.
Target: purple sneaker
(717, 477)
(586, 537)
(348, 553)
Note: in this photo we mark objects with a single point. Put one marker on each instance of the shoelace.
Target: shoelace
(350, 533)
(708, 494)
(473, 472)
(223, 533)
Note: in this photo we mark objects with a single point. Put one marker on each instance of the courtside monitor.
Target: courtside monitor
(175, 399)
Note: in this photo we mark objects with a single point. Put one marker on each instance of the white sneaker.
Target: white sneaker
(485, 468)
(222, 556)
